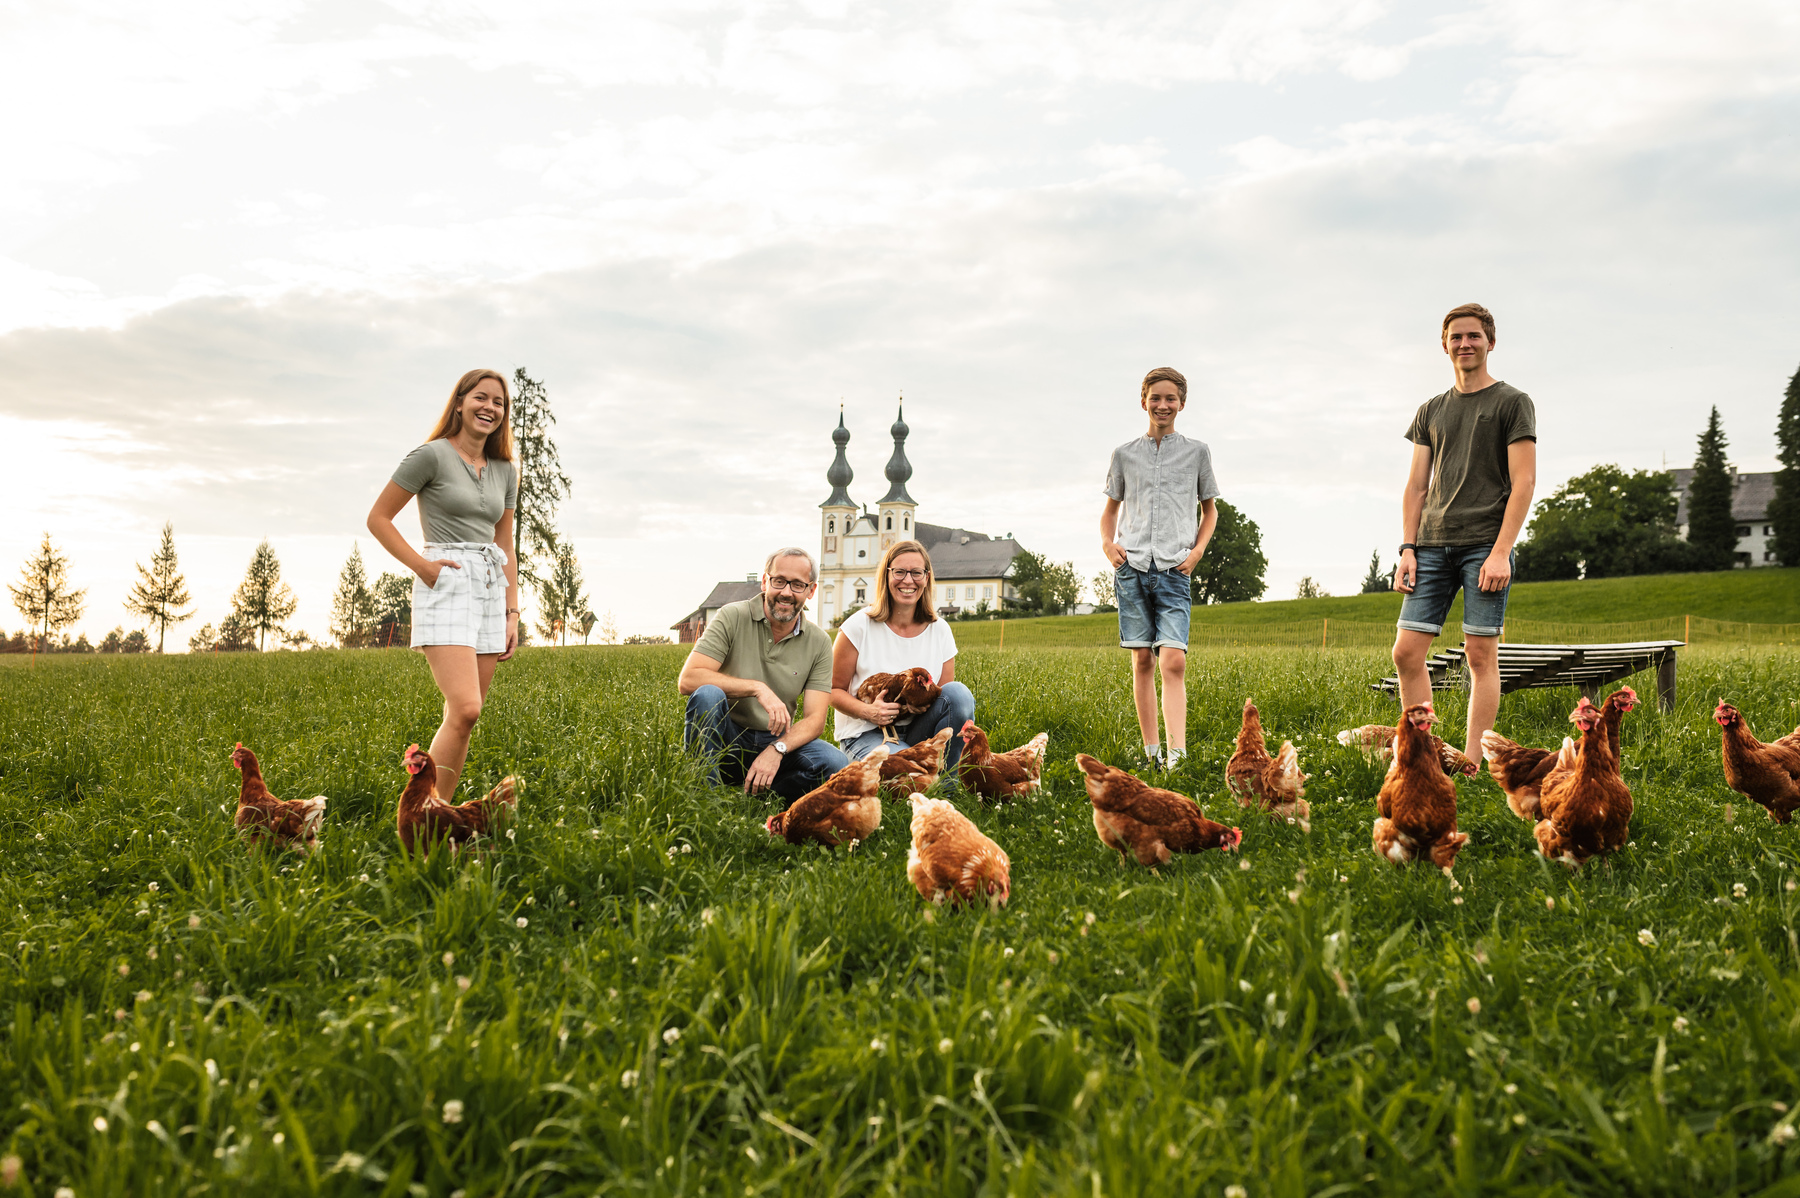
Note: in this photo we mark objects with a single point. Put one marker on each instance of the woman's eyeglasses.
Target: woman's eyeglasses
(915, 575)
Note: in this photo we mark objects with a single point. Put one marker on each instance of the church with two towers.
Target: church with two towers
(972, 569)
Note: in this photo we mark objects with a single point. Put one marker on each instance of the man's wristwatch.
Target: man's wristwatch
(1405, 545)
(780, 746)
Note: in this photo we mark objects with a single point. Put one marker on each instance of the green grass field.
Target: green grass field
(643, 994)
(1604, 609)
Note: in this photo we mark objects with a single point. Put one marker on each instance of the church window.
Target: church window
(905, 522)
(890, 523)
(861, 594)
(831, 524)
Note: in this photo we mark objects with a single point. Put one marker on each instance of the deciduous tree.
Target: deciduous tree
(1102, 582)
(1606, 523)
(1711, 529)
(44, 596)
(262, 602)
(393, 609)
(161, 590)
(1232, 570)
(1310, 588)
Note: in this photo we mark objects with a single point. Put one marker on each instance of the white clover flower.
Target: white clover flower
(594, 833)
(153, 888)
(453, 1111)
(212, 1068)
(1739, 890)
(512, 833)
(61, 1191)
(1510, 1088)
(1244, 865)
(1550, 904)
(1244, 985)
(135, 1046)
(671, 1034)
(124, 970)
(1457, 901)
(1474, 1006)
(1680, 1024)
(278, 1139)
(707, 915)
(521, 921)
(1088, 919)
(1235, 1191)
(878, 1045)
(193, 921)
(363, 878)
(119, 1015)
(100, 1123)
(628, 1079)
(1007, 951)
(1783, 1133)
(1054, 958)
(462, 983)
(946, 1045)
(1647, 938)
(449, 960)
(531, 900)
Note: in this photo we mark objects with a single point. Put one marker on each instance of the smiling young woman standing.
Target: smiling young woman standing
(465, 588)
(897, 632)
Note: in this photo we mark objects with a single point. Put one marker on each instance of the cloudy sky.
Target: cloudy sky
(245, 250)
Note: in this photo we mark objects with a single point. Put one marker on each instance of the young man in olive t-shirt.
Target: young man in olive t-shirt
(1474, 466)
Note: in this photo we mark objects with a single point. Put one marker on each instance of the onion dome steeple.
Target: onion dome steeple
(840, 474)
(898, 468)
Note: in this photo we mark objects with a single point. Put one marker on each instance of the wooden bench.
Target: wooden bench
(1586, 667)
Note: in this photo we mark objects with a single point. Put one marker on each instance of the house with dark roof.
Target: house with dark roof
(1751, 495)
(972, 569)
(688, 629)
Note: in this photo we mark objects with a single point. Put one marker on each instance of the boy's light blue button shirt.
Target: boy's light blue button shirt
(1160, 485)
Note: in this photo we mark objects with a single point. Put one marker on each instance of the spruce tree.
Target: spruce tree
(44, 595)
(542, 482)
(160, 590)
(1784, 508)
(1375, 582)
(1711, 530)
(262, 601)
(353, 608)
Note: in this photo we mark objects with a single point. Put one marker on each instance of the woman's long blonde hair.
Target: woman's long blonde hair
(499, 442)
(879, 609)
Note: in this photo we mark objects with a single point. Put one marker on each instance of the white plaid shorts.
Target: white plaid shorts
(467, 606)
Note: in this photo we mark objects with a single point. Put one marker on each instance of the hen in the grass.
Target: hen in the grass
(1417, 804)
(1377, 742)
(1000, 776)
(914, 768)
(847, 807)
(1136, 819)
(1768, 774)
(263, 818)
(1522, 771)
(1585, 802)
(424, 819)
(1274, 784)
(951, 861)
(912, 689)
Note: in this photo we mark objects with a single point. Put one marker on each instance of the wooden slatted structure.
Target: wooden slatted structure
(1536, 667)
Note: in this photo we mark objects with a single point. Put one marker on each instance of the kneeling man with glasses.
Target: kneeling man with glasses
(744, 680)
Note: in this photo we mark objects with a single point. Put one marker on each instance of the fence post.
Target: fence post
(1325, 633)
(1687, 628)
(1002, 634)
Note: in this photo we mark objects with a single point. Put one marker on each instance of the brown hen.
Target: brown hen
(1585, 803)
(1136, 819)
(951, 861)
(846, 807)
(1377, 741)
(914, 768)
(424, 819)
(1417, 804)
(912, 689)
(1768, 774)
(265, 819)
(1522, 771)
(1000, 776)
(1273, 784)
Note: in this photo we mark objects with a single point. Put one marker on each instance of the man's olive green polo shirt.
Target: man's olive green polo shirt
(738, 638)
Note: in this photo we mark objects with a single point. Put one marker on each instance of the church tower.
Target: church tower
(897, 512)
(837, 515)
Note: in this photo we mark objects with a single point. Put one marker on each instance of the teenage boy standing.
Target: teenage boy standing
(1153, 482)
(1474, 467)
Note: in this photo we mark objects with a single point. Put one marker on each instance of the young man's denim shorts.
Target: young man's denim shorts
(1154, 607)
(1442, 569)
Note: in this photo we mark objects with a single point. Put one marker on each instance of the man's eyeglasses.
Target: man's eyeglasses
(915, 575)
(796, 585)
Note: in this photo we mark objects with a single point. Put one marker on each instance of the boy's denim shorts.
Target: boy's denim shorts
(1154, 607)
(1443, 569)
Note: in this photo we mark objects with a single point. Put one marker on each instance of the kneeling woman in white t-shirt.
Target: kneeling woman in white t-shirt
(897, 632)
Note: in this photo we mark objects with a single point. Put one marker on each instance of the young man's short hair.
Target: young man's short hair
(1477, 311)
(1167, 374)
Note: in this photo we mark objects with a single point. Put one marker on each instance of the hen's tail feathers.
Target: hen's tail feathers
(314, 809)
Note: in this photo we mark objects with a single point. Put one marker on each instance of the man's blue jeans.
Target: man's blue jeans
(729, 748)
(954, 707)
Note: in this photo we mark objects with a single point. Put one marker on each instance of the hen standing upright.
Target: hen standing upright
(846, 807)
(424, 819)
(1522, 771)
(1000, 775)
(1275, 784)
(1136, 819)
(284, 823)
(951, 860)
(1417, 804)
(1586, 806)
(914, 768)
(1768, 774)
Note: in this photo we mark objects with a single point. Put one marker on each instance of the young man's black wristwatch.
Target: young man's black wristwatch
(1405, 545)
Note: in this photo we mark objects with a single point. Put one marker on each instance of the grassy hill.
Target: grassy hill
(1536, 610)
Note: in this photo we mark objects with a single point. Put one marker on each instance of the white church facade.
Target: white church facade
(971, 568)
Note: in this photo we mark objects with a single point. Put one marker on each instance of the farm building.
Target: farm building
(1750, 498)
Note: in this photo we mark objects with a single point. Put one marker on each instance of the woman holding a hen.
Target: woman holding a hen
(465, 602)
(897, 632)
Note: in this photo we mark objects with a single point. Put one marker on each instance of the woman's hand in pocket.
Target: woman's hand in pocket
(436, 570)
